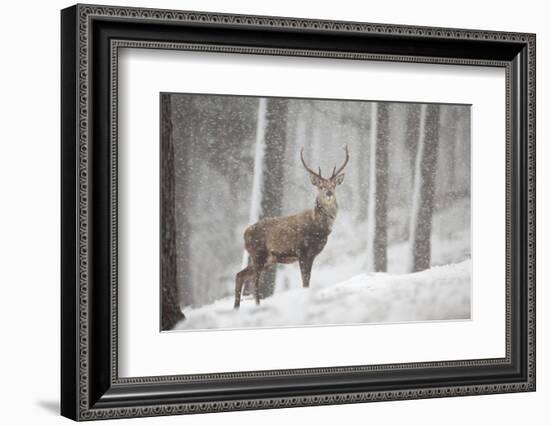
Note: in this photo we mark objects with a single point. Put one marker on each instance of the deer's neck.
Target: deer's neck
(325, 213)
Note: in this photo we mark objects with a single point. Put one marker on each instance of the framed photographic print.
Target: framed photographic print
(263, 212)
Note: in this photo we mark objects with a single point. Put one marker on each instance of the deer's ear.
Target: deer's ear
(314, 180)
(339, 179)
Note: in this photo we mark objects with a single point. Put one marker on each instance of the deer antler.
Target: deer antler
(337, 172)
(306, 167)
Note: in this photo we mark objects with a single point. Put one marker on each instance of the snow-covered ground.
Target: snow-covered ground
(440, 293)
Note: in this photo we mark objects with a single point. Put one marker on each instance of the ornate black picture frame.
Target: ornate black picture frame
(90, 385)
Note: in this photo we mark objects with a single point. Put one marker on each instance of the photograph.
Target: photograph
(293, 212)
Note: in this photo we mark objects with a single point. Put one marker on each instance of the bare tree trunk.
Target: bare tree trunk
(363, 153)
(424, 189)
(447, 159)
(273, 176)
(259, 151)
(170, 307)
(451, 149)
(378, 189)
(412, 134)
(185, 145)
(463, 153)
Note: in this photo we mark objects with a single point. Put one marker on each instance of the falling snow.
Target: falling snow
(223, 157)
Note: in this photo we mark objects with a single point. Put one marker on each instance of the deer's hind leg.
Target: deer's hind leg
(257, 275)
(260, 262)
(240, 279)
(305, 268)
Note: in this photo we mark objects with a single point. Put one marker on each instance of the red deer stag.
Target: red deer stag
(287, 239)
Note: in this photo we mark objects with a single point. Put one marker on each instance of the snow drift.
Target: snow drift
(439, 293)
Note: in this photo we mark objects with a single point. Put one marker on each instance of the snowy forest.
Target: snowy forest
(400, 244)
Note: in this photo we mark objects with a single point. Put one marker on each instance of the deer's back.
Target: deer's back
(285, 237)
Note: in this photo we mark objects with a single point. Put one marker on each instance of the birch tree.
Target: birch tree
(273, 174)
(257, 180)
(267, 186)
(378, 189)
(424, 188)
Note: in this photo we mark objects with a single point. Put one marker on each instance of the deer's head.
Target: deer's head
(326, 197)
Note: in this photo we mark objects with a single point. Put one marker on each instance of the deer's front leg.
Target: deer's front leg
(305, 268)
